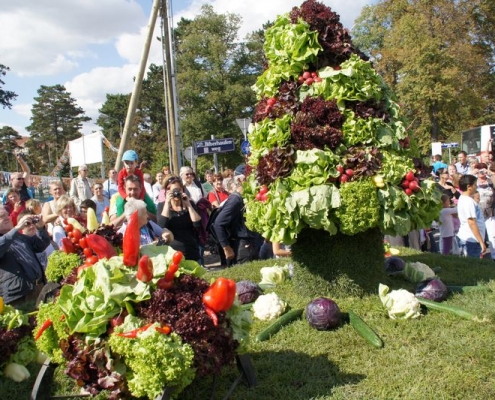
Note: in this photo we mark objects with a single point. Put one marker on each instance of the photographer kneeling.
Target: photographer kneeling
(178, 215)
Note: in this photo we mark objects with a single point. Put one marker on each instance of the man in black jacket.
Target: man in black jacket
(238, 242)
(21, 274)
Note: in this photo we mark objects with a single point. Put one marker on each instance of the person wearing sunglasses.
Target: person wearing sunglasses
(80, 188)
(22, 276)
(18, 180)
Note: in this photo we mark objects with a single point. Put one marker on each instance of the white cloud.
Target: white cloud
(41, 37)
(23, 109)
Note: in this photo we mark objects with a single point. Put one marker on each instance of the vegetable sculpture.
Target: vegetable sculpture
(328, 140)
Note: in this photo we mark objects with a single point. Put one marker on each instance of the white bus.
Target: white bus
(476, 140)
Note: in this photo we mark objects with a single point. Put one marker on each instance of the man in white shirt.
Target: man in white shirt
(110, 186)
(472, 230)
(462, 166)
(157, 186)
(147, 184)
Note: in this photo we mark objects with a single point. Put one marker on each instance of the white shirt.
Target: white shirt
(110, 188)
(468, 208)
(156, 191)
(148, 188)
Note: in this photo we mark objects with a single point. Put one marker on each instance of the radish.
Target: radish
(306, 75)
(410, 176)
(414, 186)
(349, 172)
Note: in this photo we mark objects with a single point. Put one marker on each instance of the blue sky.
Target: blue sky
(93, 47)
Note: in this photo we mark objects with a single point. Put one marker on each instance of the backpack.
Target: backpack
(211, 220)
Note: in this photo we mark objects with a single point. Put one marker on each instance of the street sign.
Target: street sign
(449, 145)
(189, 153)
(245, 147)
(203, 147)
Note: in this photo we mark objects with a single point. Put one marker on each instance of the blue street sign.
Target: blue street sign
(449, 145)
(245, 147)
(203, 147)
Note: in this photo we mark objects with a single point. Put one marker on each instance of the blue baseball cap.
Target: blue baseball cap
(130, 155)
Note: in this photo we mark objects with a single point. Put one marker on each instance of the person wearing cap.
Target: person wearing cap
(19, 180)
(131, 167)
(80, 188)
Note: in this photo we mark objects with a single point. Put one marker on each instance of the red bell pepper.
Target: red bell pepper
(43, 328)
(145, 269)
(100, 246)
(67, 246)
(131, 241)
(220, 295)
(164, 329)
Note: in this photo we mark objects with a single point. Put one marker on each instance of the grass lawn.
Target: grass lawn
(436, 356)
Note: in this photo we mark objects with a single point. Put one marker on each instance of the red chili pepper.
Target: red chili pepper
(133, 334)
(67, 246)
(131, 241)
(145, 269)
(220, 295)
(177, 257)
(164, 329)
(170, 274)
(100, 246)
(43, 328)
(212, 314)
(162, 283)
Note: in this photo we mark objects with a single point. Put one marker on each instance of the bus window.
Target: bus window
(475, 140)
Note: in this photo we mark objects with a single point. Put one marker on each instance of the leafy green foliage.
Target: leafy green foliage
(60, 265)
(8, 145)
(6, 96)
(56, 119)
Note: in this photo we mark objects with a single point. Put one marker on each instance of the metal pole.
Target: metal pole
(131, 110)
(215, 158)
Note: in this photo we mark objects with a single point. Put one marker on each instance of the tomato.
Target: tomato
(169, 276)
(70, 235)
(410, 176)
(349, 172)
(177, 258)
(83, 243)
(92, 260)
(271, 101)
(73, 240)
(88, 252)
(77, 234)
(306, 75)
(414, 186)
(69, 227)
(263, 189)
(344, 178)
(164, 284)
(65, 221)
(408, 191)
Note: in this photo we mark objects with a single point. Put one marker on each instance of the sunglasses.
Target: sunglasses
(20, 179)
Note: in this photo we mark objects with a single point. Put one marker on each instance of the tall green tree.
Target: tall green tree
(8, 144)
(215, 72)
(429, 54)
(56, 119)
(6, 96)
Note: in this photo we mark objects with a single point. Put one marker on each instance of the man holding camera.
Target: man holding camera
(21, 274)
(132, 186)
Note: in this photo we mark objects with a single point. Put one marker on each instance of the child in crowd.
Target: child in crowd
(130, 160)
(33, 206)
(447, 215)
(83, 210)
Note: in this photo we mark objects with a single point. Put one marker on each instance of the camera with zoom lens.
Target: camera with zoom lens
(35, 220)
(176, 193)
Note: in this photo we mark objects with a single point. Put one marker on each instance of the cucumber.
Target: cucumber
(460, 312)
(466, 289)
(279, 323)
(364, 330)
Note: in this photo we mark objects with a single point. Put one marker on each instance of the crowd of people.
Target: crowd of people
(174, 209)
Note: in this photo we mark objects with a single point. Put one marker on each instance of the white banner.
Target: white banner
(86, 150)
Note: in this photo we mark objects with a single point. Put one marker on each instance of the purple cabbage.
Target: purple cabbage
(323, 314)
(432, 289)
(247, 291)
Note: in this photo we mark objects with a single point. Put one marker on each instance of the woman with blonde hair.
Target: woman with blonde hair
(49, 210)
(66, 208)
